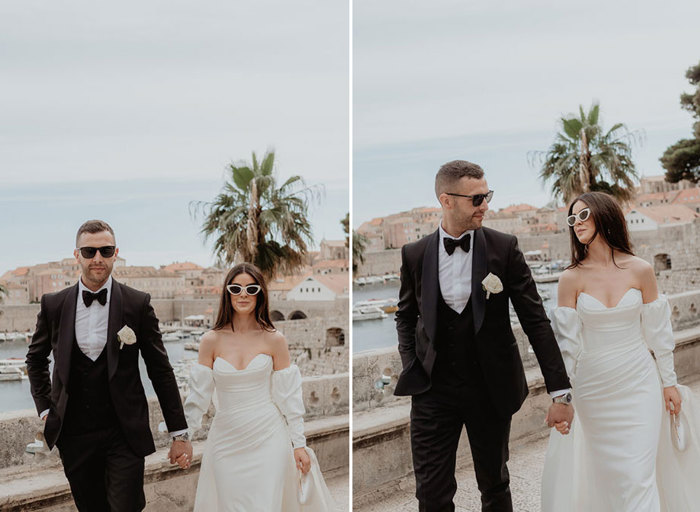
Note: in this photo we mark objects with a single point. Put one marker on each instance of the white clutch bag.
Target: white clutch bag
(679, 431)
(305, 487)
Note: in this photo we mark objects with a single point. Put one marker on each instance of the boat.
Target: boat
(171, 336)
(8, 373)
(386, 305)
(192, 345)
(362, 313)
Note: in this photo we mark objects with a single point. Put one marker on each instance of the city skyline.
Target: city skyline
(129, 112)
(489, 82)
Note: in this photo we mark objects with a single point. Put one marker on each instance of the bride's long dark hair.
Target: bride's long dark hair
(262, 307)
(610, 225)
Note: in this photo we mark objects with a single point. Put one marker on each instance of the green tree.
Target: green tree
(256, 220)
(584, 158)
(3, 291)
(682, 160)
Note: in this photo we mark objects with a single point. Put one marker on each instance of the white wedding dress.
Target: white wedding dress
(248, 462)
(619, 455)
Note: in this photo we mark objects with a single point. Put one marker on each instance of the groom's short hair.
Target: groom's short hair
(453, 171)
(93, 226)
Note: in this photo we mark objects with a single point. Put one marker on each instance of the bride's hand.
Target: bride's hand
(302, 460)
(562, 427)
(672, 396)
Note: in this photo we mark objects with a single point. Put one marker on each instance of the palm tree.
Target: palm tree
(255, 220)
(584, 158)
(3, 291)
(359, 244)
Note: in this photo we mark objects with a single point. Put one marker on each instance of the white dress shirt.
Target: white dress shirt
(91, 323)
(455, 272)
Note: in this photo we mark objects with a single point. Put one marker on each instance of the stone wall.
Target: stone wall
(381, 436)
(324, 396)
(380, 263)
(18, 318)
(375, 372)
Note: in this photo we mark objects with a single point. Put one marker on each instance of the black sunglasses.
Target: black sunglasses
(477, 199)
(236, 289)
(89, 252)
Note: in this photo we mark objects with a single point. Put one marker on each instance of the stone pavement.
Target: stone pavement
(339, 487)
(525, 465)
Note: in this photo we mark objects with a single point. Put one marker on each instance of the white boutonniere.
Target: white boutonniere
(491, 284)
(126, 337)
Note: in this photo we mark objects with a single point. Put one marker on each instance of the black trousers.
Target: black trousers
(437, 419)
(103, 471)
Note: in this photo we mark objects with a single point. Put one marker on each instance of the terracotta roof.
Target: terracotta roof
(339, 283)
(523, 207)
(142, 271)
(668, 214)
(656, 196)
(331, 264)
(688, 196)
(21, 271)
(286, 283)
(185, 265)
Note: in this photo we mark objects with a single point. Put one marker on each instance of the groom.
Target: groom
(94, 407)
(460, 360)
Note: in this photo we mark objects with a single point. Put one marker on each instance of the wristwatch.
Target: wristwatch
(182, 437)
(562, 399)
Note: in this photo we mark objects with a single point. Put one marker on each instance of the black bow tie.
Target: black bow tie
(101, 297)
(451, 244)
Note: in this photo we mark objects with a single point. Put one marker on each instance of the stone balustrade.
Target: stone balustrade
(381, 440)
(375, 372)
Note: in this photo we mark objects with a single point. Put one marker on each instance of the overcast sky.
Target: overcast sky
(128, 111)
(488, 81)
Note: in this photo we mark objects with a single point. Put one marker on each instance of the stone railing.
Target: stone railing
(381, 436)
(324, 396)
(375, 372)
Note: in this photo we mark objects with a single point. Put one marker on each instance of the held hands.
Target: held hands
(181, 454)
(672, 399)
(560, 416)
(302, 460)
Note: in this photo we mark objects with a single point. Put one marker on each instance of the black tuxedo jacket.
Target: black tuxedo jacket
(55, 331)
(496, 348)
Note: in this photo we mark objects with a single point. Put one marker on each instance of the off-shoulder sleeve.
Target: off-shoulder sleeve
(566, 325)
(656, 327)
(286, 393)
(197, 401)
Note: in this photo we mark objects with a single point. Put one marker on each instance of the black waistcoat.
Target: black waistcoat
(89, 403)
(456, 362)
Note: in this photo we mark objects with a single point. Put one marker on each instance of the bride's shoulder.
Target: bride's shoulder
(209, 339)
(275, 339)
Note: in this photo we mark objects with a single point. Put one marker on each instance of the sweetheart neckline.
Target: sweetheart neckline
(609, 307)
(249, 362)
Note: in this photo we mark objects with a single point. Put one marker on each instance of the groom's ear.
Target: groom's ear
(75, 254)
(445, 200)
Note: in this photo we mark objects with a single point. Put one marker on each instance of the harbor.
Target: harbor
(377, 329)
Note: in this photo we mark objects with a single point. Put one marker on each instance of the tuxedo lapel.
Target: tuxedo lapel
(479, 271)
(430, 285)
(66, 334)
(113, 325)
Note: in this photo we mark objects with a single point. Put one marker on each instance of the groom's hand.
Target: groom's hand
(181, 454)
(559, 413)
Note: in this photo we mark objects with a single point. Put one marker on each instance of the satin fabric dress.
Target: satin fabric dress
(248, 462)
(619, 455)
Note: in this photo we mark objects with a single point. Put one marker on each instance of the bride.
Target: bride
(255, 457)
(618, 455)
